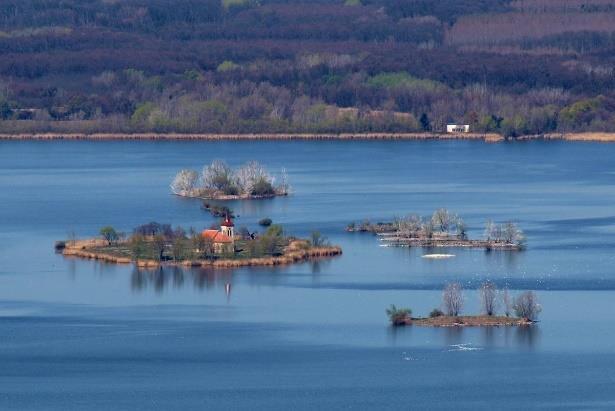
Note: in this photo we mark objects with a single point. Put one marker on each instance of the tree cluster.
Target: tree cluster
(252, 179)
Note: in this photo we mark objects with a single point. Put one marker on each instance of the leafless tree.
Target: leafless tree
(506, 302)
(488, 294)
(442, 220)
(72, 238)
(526, 306)
(461, 228)
(489, 230)
(283, 187)
(158, 245)
(428, 229)
(452, 299)
(512, 234)
(184, 181)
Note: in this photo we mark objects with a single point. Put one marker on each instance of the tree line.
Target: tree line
(278, 66)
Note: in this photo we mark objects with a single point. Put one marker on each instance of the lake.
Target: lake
(78, 334)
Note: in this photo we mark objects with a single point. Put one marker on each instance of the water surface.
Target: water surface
(80, 334)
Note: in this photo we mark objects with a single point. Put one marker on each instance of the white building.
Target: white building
(457, 128)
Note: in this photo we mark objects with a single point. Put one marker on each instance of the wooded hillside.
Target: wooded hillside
(233, 66)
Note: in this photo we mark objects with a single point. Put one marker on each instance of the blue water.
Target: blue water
(85, 335)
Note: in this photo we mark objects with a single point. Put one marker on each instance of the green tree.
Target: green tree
(425, 123)
(158, 245)
(109, 234)
(137, 246)
(179, 248)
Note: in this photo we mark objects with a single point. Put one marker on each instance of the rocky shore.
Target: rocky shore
(396, 241)
(466, 321)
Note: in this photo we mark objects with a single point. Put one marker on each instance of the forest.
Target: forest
(514, 67)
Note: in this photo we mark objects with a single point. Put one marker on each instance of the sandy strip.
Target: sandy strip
(215, 137)
(486, 137)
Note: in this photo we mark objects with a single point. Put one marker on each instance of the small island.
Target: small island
(154, 244)
(219, 181)
(442, 229)
(525, 307)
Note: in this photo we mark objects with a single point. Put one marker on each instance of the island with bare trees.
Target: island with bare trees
(525, 307)
(154, 244)
(218, 181)
(442, 229)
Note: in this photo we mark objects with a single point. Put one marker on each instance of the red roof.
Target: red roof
(228, 222)
(216, 236)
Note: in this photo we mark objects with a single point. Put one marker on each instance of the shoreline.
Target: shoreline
(292, 255)
(485, 137)
(228, 197)
(466, 321)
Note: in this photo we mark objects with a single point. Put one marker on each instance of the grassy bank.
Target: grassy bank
(296, 251)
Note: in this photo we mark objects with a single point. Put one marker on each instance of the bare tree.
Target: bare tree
(488, 294)
(452, 299)
(283, 187)
(184, 182)
(428, 229)
(489, 230)
(526, 306)
(158, 245)
(512, 234)
(441, 220)
(506, 302)
(461, 228)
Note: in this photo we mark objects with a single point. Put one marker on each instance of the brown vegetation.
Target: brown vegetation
(470, 321)
(442, 229)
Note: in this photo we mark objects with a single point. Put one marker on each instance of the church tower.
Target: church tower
(228, 228)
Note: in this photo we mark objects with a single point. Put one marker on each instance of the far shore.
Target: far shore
(486, 137)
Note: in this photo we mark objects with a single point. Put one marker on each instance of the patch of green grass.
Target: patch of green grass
(404, 80)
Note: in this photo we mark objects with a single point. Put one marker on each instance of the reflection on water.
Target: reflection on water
(528, 336)
(523, 337)
(162, 278)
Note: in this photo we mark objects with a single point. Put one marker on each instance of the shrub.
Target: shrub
(317, 239)
(265, 222)
(398, 316)
(436, 312)
(262, 188)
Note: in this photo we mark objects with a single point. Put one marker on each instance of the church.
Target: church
(223, 239)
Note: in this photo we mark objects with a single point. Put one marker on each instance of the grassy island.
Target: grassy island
(154, 244)
(442, 229)
(525, 307)
(218, 181)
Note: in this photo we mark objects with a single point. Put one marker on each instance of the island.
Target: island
(442, 229)
(525, 307)
(219, 181)
(154, 244)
